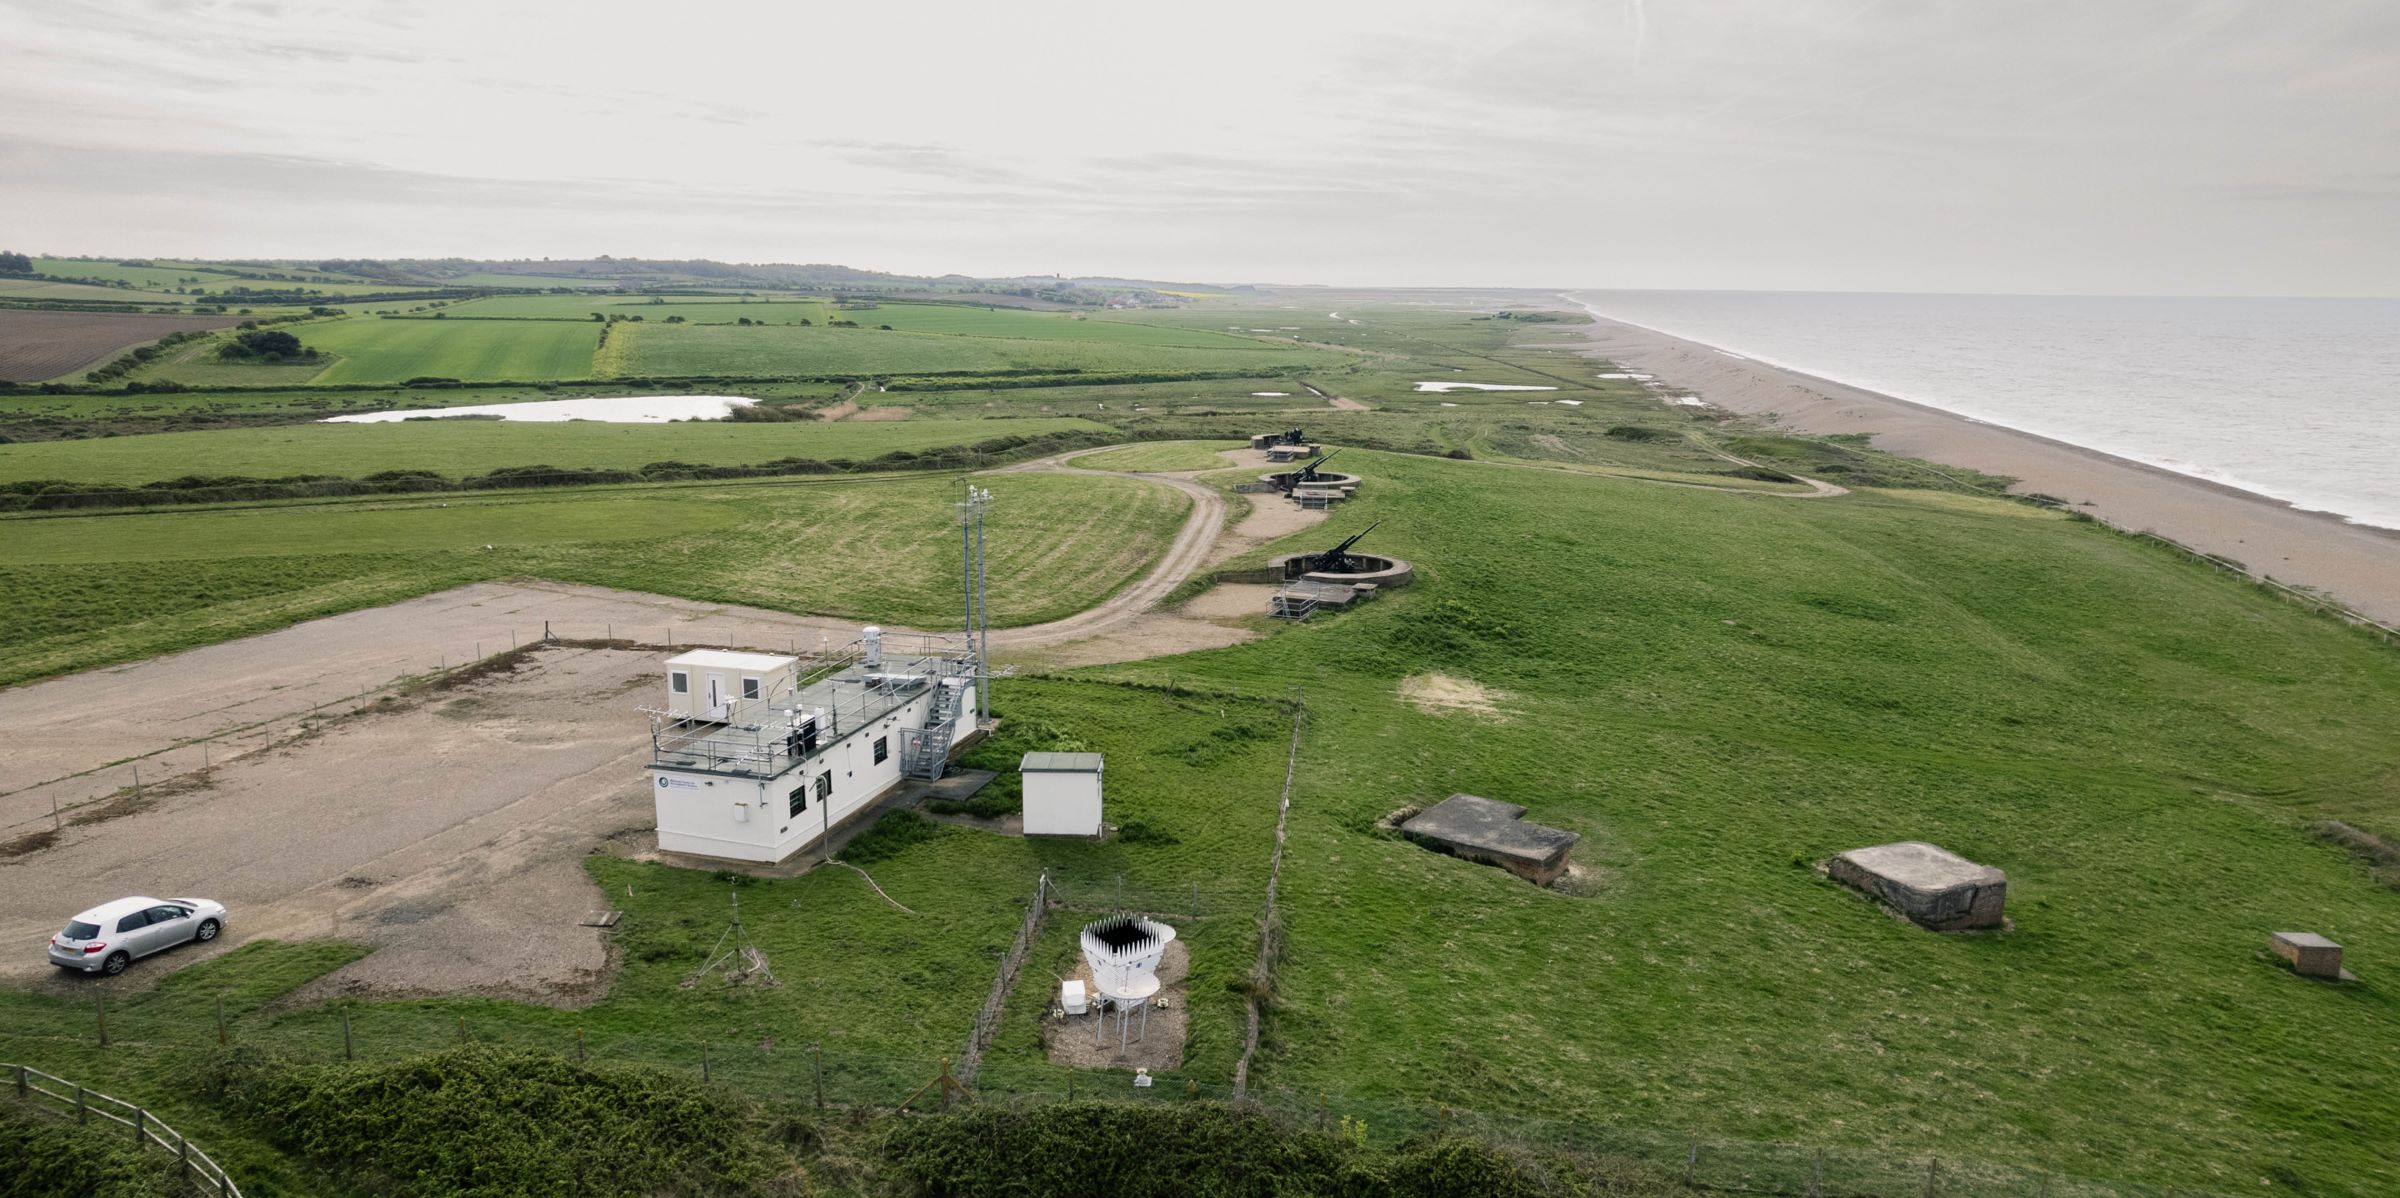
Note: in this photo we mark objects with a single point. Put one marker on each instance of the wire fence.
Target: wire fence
(287, 707)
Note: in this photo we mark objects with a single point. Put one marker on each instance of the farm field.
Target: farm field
(392, 351)
(88, 590)
(956, 319)
(37, 345)
(653, 349)
(456, 448)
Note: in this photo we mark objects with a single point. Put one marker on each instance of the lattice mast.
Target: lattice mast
(978, 615)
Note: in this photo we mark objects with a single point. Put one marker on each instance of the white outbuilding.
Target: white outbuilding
(1062, 793)
(707, 684)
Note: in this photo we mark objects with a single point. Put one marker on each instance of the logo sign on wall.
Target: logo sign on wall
(667, 783)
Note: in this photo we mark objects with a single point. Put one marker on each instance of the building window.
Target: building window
(798, 799)
(749, 688)
(679, 682)
(824, 787)
(883, 749)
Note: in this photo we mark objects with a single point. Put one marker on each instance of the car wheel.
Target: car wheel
(116, 963)
(207, 932)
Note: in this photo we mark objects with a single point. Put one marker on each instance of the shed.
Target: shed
(706, 684)
(1062, 793)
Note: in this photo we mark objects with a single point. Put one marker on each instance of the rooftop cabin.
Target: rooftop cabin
(762, 777)
(705, 684)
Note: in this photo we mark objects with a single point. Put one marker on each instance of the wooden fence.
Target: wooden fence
(194, 1166)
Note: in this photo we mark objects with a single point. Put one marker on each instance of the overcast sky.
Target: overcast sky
(2115, 146)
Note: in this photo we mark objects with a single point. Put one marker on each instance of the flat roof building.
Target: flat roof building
(758, 773)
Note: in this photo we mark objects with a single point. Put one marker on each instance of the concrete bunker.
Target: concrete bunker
(1493, 833)
(1933, 887)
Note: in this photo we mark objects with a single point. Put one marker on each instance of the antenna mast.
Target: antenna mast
(978, 616)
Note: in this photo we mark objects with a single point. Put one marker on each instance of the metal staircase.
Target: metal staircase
(925, 752)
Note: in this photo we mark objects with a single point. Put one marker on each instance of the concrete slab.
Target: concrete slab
(2310, 955)
(1492, 832)
(1933, 887)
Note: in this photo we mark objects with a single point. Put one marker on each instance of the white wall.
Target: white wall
(747, 820)
(1062, 803)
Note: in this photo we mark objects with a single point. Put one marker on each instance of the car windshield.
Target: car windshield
(79, 930)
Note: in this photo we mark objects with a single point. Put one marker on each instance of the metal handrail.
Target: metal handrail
(147, 1128)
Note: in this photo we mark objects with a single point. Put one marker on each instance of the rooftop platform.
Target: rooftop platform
(771, 735)
(1481, 829)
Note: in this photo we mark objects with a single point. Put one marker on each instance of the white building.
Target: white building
(1062, 793)
(763, 777)
(705, 683)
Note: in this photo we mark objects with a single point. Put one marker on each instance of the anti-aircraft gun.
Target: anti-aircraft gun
(1305, 474)
(1337, 560)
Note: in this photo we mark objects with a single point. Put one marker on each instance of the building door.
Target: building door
(716, 697)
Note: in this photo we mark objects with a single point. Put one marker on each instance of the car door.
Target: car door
(132, 933)
(169, 926)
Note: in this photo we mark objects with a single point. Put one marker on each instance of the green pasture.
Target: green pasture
(38, 290)
(655, 349)
(374, 350)
(456, 448)
(87, 590)
(1159, 456)
(147, 278)
(371, 349)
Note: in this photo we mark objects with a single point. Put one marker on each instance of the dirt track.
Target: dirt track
(441, 824)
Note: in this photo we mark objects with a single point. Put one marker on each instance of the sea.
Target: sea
(2298, 399)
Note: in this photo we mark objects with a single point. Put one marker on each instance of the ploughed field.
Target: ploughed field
(37, 345)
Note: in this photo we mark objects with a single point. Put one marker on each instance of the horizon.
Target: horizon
(2148, 149)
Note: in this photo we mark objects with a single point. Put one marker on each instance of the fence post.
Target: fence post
(462, 1029)
(1816, 1176)
(1195, 900)
(349, 1050)
(1933, 1176)
(24, 1082)
(1191, 1089)
(579, 1046)
(140, 1117)
(816, 1064)
(2045, 1186)
(1691, 1164)
(81, 1114)
(1320, 1109)
(220, 1019)
(183, 1158)
(100, 1004)
(704, 1060)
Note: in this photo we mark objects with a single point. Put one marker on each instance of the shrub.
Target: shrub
(496, 1122)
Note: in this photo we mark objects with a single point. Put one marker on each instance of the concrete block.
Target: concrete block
(1479, 829)
(2310, 954)
(1933, 887)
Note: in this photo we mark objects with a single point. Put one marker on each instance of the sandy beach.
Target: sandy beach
(2354, 564)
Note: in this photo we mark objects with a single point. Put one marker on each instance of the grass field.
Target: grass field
(656, 349)
(392, 351)
(84, 591)
(1160, 455)
(456, 448)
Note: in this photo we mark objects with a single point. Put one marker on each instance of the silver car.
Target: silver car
(108, 937)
